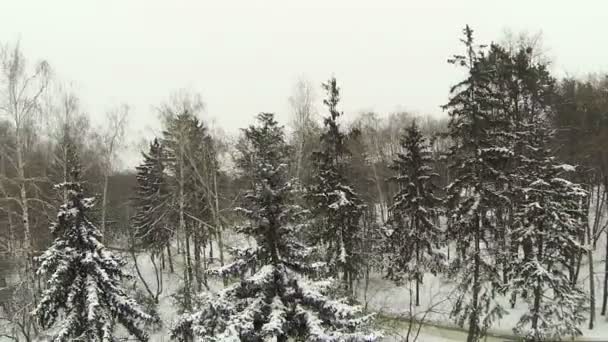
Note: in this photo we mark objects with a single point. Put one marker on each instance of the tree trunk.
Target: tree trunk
(159, 278)
(170, 258)
(591, 281)
(103, 207)
(143, 280)
(187, 299)
(27, 236)
(417, 291)
(538, 288)
(503, 253)
(351, 282)
(183, 228)
(447, 245)
(24, 201)
(418, 276)
(11, 234)
(513, 251)
(599, 203)
(197, 258)
(218, 226)
(473, 333)
(380, 193)
(605, 296)
(366, 289)
(210, 248)
(188, 253)
(411, 320)
(536, 308)
(65, 172)
(300, 157)
(162, 259)
(577, 260)
(178, 241)
(9, 214)
(205, 267)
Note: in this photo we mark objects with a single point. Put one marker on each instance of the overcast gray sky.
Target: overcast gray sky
(245, 56)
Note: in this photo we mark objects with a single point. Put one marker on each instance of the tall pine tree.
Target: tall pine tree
(548, 222)
(84, 280)
(336, 206)
(475, 193)
(278, 302)
(415, 239)
(151, 202)
(548, 217)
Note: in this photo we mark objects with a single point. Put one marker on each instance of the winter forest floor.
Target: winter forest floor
(392, 303)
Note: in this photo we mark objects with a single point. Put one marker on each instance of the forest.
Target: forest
(488, 222)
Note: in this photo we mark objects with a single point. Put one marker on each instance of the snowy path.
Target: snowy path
(435, 333)
(384, 297)
(395, 330)
(393, 304)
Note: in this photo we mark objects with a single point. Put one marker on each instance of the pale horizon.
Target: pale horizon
(244, 57)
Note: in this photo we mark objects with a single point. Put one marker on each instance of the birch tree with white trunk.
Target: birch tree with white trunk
(113, 137)
(21, 89)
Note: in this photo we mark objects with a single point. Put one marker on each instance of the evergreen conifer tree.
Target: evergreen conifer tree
(151, 202)
(335, 204)
(277, 302)
(474, 195)
(415, 239)
(548, 223)
(548, 216)
(84, 280)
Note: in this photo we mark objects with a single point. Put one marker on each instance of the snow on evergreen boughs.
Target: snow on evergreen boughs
(152, 201)
(277, 302)
(335, 204)
(543, 215)
(549, 222)
(83, 290)
(476, 193)
(274, 304)
(415, 239)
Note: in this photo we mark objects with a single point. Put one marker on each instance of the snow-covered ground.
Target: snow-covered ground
(390, 301)
(393, 304)
(385, 297)
(435, 304)
(166, 308)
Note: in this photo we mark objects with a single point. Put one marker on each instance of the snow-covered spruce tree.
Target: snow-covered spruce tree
(474, 194)
(548, 224)
(335, 205)
(83, 290)
(278, 302)
(544, 221)
(151, 201)
(415, 240)
(549, 218)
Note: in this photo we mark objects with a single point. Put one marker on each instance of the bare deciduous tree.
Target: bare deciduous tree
(112, 138)
(21, 92)
(302, 103)
(68, 128)
(20, 104)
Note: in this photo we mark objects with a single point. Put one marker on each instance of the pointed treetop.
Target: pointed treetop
(333, 97)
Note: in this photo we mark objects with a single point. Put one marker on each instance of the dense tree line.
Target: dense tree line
(504, 201)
